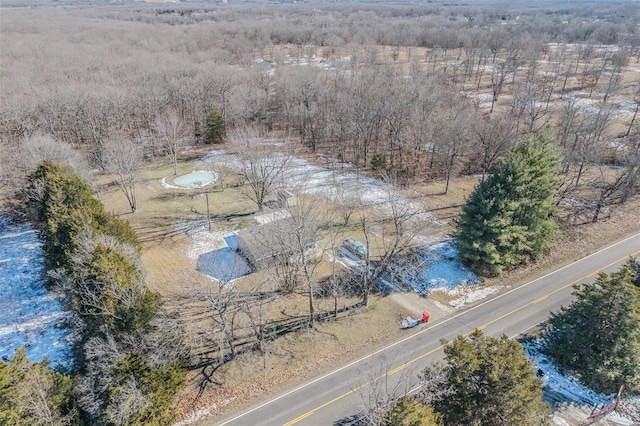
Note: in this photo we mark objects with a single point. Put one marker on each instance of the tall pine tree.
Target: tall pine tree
(215, 128)
(485, 381)
(508, 219)
(598, 336)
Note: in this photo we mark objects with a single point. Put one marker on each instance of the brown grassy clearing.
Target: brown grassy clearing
(166, 218)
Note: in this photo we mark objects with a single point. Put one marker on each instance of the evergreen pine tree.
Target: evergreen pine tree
(486, 381)
(598, 336)
(64, 205)
(409, 411)
(131, 361)
(508, 219)
(215, 128)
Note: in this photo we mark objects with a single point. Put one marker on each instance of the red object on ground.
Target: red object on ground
(425, 316)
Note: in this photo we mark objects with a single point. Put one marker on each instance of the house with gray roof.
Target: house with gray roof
(273, 242)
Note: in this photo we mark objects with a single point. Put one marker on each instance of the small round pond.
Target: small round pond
(195, 179)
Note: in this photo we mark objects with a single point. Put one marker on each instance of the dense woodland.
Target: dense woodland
(393, 84)
(543, 97)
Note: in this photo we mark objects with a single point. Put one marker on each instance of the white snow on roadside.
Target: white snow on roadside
(568, 390)
(470, 294)
(202, 413)
(558, 387)
(31, 316)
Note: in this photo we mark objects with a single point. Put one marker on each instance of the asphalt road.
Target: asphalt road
(335, 398)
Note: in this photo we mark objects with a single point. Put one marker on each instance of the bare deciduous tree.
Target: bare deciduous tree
(496, 136)
(636, 100)
(615, 186)
(23, 156)
(305, 216)
(123, 157)
(261, 166)
(381, 389)
(35, 393)
(498, 77)
(388, 232)
(171, 131)
(223, 171)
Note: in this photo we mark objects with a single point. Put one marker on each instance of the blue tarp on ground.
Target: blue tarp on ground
(224, 264)
(232, 242)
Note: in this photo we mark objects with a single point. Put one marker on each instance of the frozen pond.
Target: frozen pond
(31, 316)
(195, 179)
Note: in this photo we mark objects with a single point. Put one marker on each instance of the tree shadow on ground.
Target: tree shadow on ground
(358, 419)
(210, 359)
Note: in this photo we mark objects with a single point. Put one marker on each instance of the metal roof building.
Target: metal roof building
(273, 242)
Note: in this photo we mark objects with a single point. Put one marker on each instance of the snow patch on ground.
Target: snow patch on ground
(631, 408)
(305, 177)
(439, 268)
(560, 388)
(166, 185)
(218, 156)
(568, 391)
(203, 241)
(625, 104)
(202, 413)
(559, 421)
(31, 316)
(480, 96)
(470, 295)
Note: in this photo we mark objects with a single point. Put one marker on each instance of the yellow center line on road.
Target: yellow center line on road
(418, 358)
(540, 299)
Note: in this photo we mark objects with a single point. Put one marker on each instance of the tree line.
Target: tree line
(129, 360)
(403, 108)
